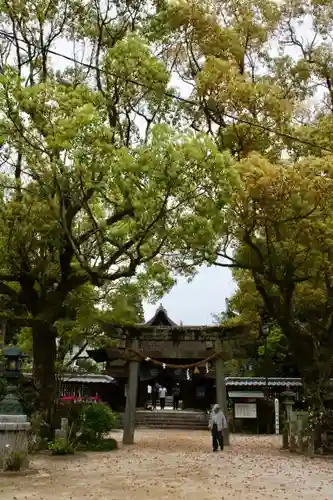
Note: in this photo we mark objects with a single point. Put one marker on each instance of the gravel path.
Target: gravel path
(173, 465)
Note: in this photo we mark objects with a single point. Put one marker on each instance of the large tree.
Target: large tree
(281, 232)
(94, 188)
(268, 353)
(117, 302)
(260, 74)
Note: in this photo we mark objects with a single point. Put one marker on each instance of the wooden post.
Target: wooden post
(221, 389)
(132, 390)
(277, 416)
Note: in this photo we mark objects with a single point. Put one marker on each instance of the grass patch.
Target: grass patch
(103, 445)
(61, 446)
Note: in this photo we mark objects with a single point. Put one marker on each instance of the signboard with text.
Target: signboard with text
(245, 410)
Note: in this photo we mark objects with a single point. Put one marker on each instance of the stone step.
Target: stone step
(168, 402)
(172, 420)
(169, 419)
(170, 425)
(159, 419)
(163, 425)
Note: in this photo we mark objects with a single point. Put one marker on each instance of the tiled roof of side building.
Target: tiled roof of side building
(262, 381)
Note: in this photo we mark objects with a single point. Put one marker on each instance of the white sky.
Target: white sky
(194, 303)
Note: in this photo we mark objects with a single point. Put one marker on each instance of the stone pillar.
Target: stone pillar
(311, 444)
(221, 389)
(289, 439)
(132, 391)
(63, 432)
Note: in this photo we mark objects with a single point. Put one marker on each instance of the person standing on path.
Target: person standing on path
(155, 394)
(149, 395)
(217, 424)
(163, 392)
(176, 396)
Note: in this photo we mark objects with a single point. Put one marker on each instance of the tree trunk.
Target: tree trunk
(44, 359)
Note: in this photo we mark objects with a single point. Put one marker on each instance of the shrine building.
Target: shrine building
(163, 342)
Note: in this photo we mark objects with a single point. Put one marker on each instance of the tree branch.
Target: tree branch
(77, 355)
(7, 290)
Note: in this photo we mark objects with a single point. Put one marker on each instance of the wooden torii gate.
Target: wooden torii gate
(130, 337)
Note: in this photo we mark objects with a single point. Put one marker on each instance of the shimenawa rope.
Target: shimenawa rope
(144, 357)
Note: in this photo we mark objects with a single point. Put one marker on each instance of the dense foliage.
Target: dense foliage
(279, 224)
(88, 196)
(255, 68)
(134, 183)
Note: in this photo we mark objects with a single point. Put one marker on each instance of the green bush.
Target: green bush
(61, 446)
(97, 420)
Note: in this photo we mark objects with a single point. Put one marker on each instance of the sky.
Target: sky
(195, 303)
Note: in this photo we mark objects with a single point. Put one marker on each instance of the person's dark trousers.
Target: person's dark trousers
(154, 399)
(162, 403)
(175, 402)
(217, 437)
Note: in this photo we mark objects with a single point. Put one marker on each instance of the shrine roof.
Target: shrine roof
(160, 318)
(181, 333)
(161, 328)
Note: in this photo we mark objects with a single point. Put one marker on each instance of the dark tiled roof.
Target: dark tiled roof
(261, 381)
(83, 378)
(160, 318)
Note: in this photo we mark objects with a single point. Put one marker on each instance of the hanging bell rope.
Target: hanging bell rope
(144, 357)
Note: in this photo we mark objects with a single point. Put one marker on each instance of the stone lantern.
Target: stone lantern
(10, 405)
(289, 401)
(13, 360)
(14, 426)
